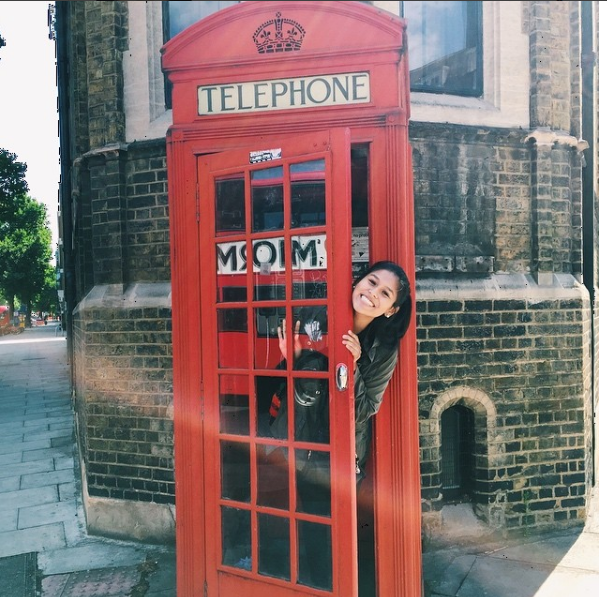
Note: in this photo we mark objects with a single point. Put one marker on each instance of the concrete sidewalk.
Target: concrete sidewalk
(552, 564)
(41, 512)
(43, 533)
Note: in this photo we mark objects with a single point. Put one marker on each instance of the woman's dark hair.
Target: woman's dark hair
(389, 330)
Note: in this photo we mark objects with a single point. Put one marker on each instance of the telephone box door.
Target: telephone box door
(278, 453)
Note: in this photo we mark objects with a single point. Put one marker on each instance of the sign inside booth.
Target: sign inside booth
(307, 252)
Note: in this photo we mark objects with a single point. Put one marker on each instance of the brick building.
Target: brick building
(504, 141)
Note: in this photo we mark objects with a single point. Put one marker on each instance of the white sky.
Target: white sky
(28, 100)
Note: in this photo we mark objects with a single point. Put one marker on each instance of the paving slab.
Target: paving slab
(33, 496)
(50, 536)
(92, 554)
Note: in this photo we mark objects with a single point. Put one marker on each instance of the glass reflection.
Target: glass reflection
(267, 351)
(312, 410)
(272, 477)
(270, 393)
(308, 194)
(236, 537)
(268, 199)
(315, 560)
(313, 332)
(235, 471)
(231, 289)
(234, 409)
(274, 546)
(232, 338)
(231, 282)
(229, 205)
(309, 257)
(313, 482)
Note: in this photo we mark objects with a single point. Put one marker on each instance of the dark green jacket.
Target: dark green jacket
(373, 372)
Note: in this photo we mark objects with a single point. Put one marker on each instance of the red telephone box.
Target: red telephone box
(289, 171)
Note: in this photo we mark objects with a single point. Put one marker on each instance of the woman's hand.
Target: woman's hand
(282, 339)
(352, 343)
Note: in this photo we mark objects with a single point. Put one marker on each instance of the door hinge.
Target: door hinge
(206, 589)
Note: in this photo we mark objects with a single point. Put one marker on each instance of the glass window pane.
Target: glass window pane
(309, 257)
(232, 338)
(183, 14)
(270, 393)
(272, 477)
(231, 289)
(235, 471)
(445, 47)
(234, 410)
(267, 351)
(315, 561)
(313, 482)
(313, 326)
(308, 194)
(311, 410)
(274, 546)
(269, 257)
(236, 537)
(177, 15)
(267, 195)
(229, 205)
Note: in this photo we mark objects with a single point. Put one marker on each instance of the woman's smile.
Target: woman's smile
(374, 295)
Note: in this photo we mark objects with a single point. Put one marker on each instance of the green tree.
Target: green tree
(12, 184)
(47, 299)
(25, 237)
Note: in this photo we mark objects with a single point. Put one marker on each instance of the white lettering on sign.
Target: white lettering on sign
(284, 94)
(307, 252)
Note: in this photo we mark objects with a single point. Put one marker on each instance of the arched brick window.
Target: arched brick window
(458, 452)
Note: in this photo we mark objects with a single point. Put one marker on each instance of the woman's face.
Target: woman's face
(375, 294)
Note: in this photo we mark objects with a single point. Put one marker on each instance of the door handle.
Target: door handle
(341, 377)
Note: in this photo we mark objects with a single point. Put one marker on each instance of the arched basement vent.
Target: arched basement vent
(457, 440)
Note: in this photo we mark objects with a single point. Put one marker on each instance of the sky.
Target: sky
(28, 100)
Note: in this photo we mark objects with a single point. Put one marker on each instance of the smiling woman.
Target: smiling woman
(382, 306)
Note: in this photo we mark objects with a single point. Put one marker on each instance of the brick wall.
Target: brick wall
(124, 399)
(122, 330)
(472, 199)
(492, 208)
(519, 361)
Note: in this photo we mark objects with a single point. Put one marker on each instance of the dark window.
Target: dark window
(177, 15)
(445, 47)
(444, 38)
(457, 441)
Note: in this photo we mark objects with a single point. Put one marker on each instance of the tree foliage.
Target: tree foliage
(12, 183)
(25, 237)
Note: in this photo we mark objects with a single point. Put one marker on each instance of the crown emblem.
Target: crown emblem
(279, 35)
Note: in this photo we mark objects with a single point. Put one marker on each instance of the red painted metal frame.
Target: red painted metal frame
(340, 37)
(334, 147)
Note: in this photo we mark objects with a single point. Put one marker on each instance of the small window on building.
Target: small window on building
(457, 440)
(445, 47)
(178, 15)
